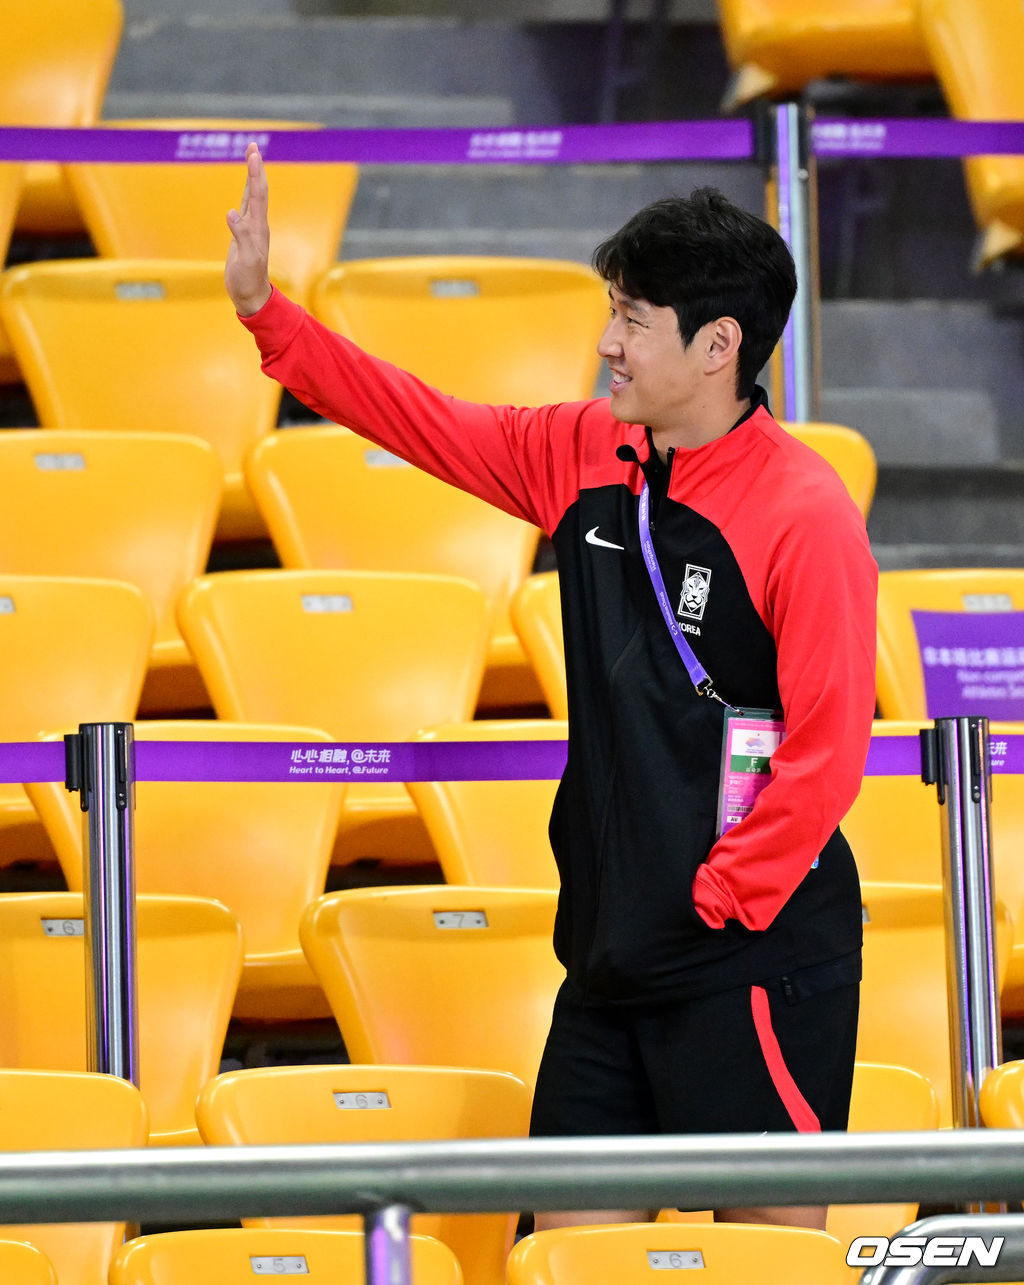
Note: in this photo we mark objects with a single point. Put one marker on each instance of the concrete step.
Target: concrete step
(979, 509)
(533, 11)
(335, 111)
(285, 54)
(911, 557)
(563, 211)
(966, 356)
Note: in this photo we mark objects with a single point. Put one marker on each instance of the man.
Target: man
(712, 970)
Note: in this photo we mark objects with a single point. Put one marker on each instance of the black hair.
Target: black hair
(706, 258)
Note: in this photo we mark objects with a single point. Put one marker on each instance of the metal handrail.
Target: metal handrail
(1010, 1267)
(174, 1185)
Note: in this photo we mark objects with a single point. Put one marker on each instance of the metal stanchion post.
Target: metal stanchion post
(386, 1239)
(956, 759)
(791, 197)
(101, 767)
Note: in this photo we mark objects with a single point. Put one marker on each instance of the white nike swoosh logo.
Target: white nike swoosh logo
(593, 538)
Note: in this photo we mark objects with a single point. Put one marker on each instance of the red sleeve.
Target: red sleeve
(820, 586)
(522, 461)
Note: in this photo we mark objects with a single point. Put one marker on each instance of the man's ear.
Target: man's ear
(722, 341)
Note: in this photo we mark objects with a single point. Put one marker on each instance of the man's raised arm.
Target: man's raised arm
(246, 274)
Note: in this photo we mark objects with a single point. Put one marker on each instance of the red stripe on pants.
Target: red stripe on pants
(792, 1099)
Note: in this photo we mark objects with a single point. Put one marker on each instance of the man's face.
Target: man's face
(655, 380)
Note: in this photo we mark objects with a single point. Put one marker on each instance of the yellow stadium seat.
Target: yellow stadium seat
(261, 848)
(331, 499)
(143, 344)
(722, 1253)
(268, 1106)
(189, 960)
(440, 976)
(495, 329)
(55, 62)
(901, 684)
(23, 1264)
(233, 1255)
(11, 181)
(1001, 1099)
(904, 1015)
(139, 507)
(894, 826)
(367, 656)
(80, 649)
(973, 45)
(850, 454)
(778, 47)
(536, 611)
(176, 210)
(68, 1111)
(895, 831)
(491, 833)
(885, 1099)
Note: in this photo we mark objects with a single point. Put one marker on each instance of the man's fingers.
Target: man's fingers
(255, 194)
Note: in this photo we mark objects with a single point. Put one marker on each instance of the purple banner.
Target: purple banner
(911, 137)
(710, 140)
(973, 663)
(24, 762)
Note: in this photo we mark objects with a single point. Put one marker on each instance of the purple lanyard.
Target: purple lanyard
(698, 674)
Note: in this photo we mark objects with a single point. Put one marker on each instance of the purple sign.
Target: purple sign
(718, 140)
(914, 137)
(973, 663)
(28, 761)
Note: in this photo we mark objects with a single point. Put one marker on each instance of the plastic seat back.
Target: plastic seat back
(139, 507)
(779, 48)
(367, 656)
(68, 1111)
(233, 1255)
(904, 1014)
(189, 961)
(268, 1106)
(484, 328)
(23, 1264)
(363, 655)
(885, 1099)
(894, 826)
(261, 848)
(536, 610)
(11, 182)
(80, 648)
(175, 210)
(440, 976)
(142, 344)
(895, 831)
(718, 1253)
(491, 833)
(850, 454)
(55, 62)
(973, 46)
(331, 499)
(1001, 1100)
(974, 591)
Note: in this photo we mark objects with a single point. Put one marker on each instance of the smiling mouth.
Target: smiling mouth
(618, 381)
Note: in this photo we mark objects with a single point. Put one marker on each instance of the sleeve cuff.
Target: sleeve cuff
(711, 899)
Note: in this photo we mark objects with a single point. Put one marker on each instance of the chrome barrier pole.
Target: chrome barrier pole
(792, 200)
(101, 767)
(386, 1245)
(957, 761)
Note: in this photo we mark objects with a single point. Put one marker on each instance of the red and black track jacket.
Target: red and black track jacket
(651, 905)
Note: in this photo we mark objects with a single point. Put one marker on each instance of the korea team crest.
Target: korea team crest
(694, 596)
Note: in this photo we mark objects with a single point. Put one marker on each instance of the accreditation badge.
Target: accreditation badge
(749, 739)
